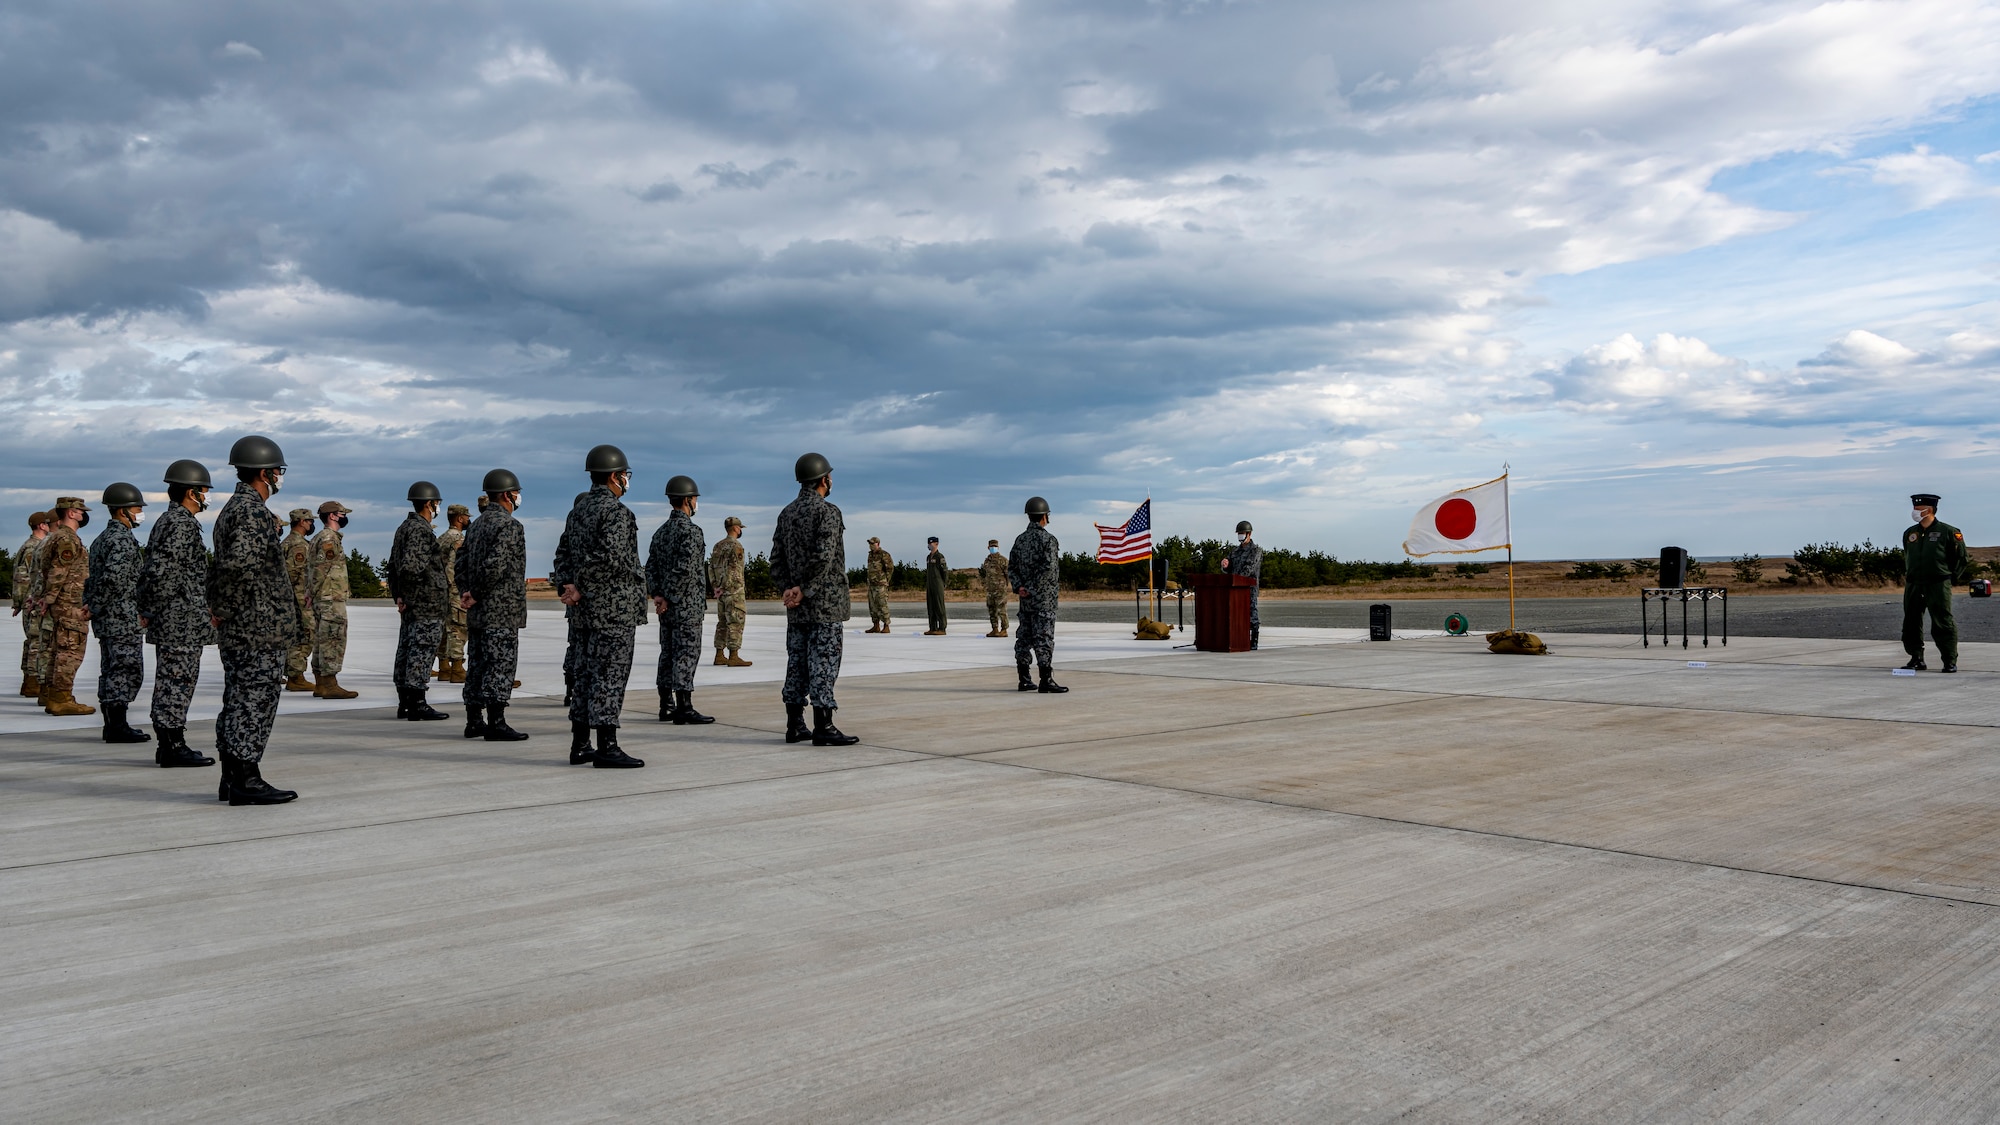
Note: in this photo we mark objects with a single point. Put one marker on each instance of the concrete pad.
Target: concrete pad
(1199, 887)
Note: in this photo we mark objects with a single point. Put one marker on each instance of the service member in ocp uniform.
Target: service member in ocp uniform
(1934, 560)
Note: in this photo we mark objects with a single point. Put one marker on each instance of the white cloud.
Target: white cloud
(238, 50)
(1927, 178)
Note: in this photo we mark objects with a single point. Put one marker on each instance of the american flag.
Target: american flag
(1128, 542)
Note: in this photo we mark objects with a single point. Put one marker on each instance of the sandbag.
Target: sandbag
(1151, 630)
(1522, 644)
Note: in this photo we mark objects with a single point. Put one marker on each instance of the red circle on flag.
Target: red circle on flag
(1456, 518)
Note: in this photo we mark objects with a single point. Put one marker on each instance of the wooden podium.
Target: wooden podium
(1221, 612)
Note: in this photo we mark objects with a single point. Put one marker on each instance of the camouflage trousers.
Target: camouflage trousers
(491, 657)
(680, 647)
(66, 647)
(121, 664)
(603, 666)
(572, 654)
(37, 629)
(299, 655)
(329, 640)
(416, 645)
(996, 611)
(176, 671)
(729, 613)
(1035, 636)
(452, 645)
(1255, 625)
(878, 606)
(812, 662)
(252, 681)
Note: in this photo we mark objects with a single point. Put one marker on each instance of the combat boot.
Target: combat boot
(442, 671)
(248, 787)
(1916, 664)
(297, 682)
(61, 702)
(736, 659)
(684, 712)
(795, 723)
(579, 743)
(873, 629)
(420, 711)
(475, 721)
(328, 687)
(609, 756)
(824, 733)
(402, 702)
(1049, 684)
(31, 688)
(116, 729)
(174, 751)
(1003, 628)
(458, 671)
(1027, 682)
(497, 729)
(721, 661)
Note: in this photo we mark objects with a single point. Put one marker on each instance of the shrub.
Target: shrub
(363, 578)
(1749, 569)
(1470, 569)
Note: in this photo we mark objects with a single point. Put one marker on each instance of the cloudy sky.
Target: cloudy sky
(1720, 275)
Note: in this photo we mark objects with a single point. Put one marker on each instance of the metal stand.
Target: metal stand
(1684, 594)
(1160, 597)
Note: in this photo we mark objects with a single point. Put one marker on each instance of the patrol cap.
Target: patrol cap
(189, 472)
(1924, 499)
(483, 501)
(732, 521)
(37, 519)
(875, 539)
(992, 542)
(334, 506)
(458, 510)
(123, 495)
(300, 514)
(63, 502)
(423, 490)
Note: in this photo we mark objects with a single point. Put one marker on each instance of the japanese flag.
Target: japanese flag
(1459, 523)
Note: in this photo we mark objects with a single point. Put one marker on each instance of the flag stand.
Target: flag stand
(1506, 505)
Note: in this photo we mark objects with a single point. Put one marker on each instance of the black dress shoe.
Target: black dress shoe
(1027, 682)
(795, 723)
(496, 728)
(824, 733)
(1916, 664)
(609, 756)
(579, 743)
(684, 712)
(1949, 666)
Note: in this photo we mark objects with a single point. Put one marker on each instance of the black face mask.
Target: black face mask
(84, 522)
(344, 521)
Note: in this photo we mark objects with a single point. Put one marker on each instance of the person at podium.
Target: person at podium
(1247, 561)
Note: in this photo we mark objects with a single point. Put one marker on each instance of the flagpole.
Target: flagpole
(1507, 506)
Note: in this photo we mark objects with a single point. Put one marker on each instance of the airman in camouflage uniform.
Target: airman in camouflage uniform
(725, 577)
(1034, 570)
(608, 586)
(27, 568)
(111, 594)
(677, 581)
(451, 650)
(329, 602)
(65, 567)
(173, 608)
(1246, 560)
(993, 575)
(417, 582)
(491, 571)
(809, 563)
(298, 567)
(880, 568)
(562, 573)
(252, 599)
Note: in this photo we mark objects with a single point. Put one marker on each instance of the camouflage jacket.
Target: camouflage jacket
(173, 583)
(492, 566)
(1035, 565)
(64, 567)
(450, 541)
(416, 570)
(329, 570)
(562, 568)
(880, 568)
(993, 573)
(26, 560)
(809, 550)
(247, 587)
(725, 568)
(675, 563)
(111, 593)
(298, 565)
(604, 557)
(1247, 561)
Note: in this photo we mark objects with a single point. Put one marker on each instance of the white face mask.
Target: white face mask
(138, 518)
(201, 500)
(1917, 514)
(517, 501)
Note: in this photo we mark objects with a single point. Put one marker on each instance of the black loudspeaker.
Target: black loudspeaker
(1378, 622)
(1673, 567)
